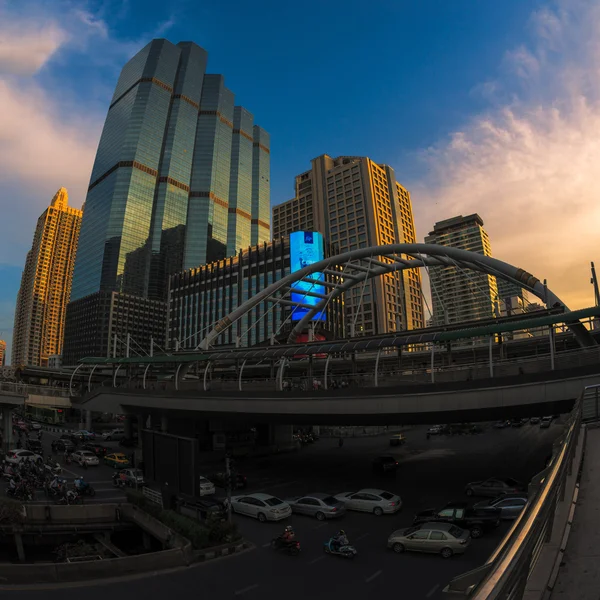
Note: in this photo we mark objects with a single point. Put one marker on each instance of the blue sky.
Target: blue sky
(479, 106)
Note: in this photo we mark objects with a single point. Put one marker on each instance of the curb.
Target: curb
(219, 551)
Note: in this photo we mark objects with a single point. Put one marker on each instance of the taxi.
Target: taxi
(116, 460)
(397, 440)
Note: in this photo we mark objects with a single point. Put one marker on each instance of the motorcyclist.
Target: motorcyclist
(340, 539)
(288, 535)
(80, 484)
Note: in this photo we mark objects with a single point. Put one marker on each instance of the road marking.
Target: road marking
(312, 562)
(246, 589)
(377, 574)
(432, 591)
(266, 545)
(362, 537)
(321, 526)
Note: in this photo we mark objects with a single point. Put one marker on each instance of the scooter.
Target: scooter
(292, 547)
(83, 488)
(347, 551)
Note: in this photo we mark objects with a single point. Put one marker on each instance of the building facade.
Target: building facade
(46, 284)
(2, 353)
(108, 324)
(200, 297)
(460, 295)
(508, 290)
(181, 176)
(356, 203)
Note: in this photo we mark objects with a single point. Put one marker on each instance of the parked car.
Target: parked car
(509, 505)
(459, 514)
(263, 507)
(201, 508)
(113, 434)
(18, 455)
(437, 538)
(535, 420)
(117, 460)
(85, 457)
(220, 480)
(397, 439)
(318, 505)
(62, 445)
(385, 464)
(370, 500)
(207, 487)
(545, 422)
(97, 449)
(131, 477)
(35, 446)
(494, 487)
(436, 430)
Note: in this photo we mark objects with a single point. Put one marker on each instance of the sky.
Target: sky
(487, 107)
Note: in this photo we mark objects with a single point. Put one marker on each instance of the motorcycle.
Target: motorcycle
(346, 551)
(83, 488)
(53, 468)
(292, 547)
(117, 480)
(71, 497)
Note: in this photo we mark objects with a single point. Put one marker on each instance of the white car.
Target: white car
(18, 455)
(206, 487)
(263, 507)
(370, 500)
(35, 426)
(85, 457)
(113, 434)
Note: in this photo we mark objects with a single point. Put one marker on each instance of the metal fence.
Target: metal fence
(504, 576)
(38, 390)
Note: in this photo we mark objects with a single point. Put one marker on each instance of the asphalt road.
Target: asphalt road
(432, 472)
(99, 477)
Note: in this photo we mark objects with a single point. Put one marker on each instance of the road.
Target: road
(432, 472)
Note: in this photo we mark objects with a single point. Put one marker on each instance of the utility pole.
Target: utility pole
(229, 482)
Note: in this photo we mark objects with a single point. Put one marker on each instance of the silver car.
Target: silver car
(437, 538)
(370, 500)
(85, 457)
(321, 506)
(263, 507)
(510, 505)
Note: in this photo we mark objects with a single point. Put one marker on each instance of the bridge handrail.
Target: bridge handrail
(27, 388)
(505, 573)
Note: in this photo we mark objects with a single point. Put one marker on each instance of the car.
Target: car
(35, 446)
(494, 487)
(220, 480)
(502, 424)
(18, 455)
(510, 505)
(545, 422)
(437, 538)
(375, 501)
(524, 420)
(397, 439)
(385, 464)
(62, 445)
(97, 449)
(85, 457)
(475, 429)
(436, 430)
(463, 516)
(207, 487)
(201, 508)
(35, 425)
(83, 435)
(133, 477)
(535, 420)
(113, 434)
(117, 460)
(263, 507)
(516, 423)
(318, 505)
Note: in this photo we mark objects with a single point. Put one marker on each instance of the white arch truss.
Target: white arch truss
(363, 264)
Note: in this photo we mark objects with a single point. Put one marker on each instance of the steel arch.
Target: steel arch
(354, 273)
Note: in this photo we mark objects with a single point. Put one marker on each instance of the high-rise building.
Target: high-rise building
(200, 297)
(357, 203)
(181, 176)
(460, 295)
(2, 353)
(508, 290)
(46, 284)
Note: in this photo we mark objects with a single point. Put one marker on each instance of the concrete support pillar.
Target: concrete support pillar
(164, 424)
(147, 541)
(6, 428)
(128, 427)
(88, 420)
(20, 548)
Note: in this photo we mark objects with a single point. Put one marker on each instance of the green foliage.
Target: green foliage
(211, 532)
(77, 549)
(11, 512)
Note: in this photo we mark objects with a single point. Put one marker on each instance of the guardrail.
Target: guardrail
(39, 390)
(153, 496)
(505, 574)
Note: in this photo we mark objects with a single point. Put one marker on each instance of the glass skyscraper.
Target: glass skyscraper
(181, 177)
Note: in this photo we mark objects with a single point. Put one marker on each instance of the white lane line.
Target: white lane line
(312, 562)
(246, 589)
(432, 591)
(266, 545)
(377, 574)
(321, 526)
(361, 537)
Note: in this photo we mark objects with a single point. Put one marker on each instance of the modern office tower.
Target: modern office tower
(46, 284)
(508, 290)
(176, 161)
(200, 297)
(2, 353)
(460, 295)
(357, 203)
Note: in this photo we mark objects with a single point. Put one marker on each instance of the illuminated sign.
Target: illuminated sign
(306, 248)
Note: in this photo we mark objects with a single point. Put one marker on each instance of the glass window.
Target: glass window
(437, 535)
(447, 512)
(422, 534)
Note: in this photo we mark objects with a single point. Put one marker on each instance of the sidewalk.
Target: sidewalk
(579, 574)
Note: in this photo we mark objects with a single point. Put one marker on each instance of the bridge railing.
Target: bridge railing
(505, 574)
(27, 389)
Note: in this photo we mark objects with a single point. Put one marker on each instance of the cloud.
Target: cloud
(530, 167)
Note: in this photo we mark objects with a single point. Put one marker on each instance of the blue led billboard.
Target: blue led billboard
(306, 248)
